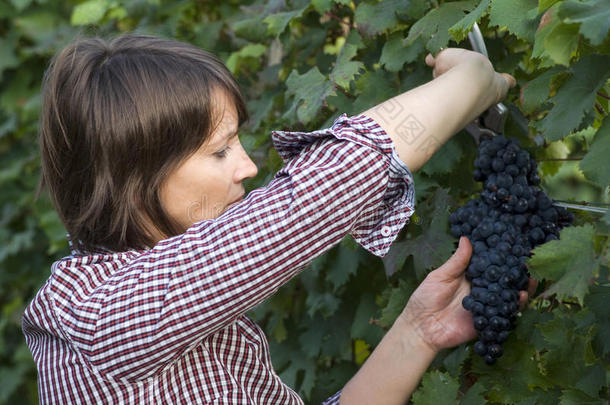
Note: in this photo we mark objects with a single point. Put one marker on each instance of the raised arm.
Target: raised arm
(421, 120)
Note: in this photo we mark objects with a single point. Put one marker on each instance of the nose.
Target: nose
(247, 168)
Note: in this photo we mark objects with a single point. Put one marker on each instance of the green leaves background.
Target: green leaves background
(301, 63)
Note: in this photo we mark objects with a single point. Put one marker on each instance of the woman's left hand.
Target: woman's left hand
(435, 308)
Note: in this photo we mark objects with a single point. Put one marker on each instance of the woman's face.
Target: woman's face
(210, 180)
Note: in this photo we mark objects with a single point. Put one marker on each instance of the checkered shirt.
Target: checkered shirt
(167, 325)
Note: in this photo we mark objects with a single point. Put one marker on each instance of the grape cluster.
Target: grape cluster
(511, 216)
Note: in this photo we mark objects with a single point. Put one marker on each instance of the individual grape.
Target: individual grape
(510, 217)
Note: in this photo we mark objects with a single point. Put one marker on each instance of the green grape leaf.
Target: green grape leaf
(569, 261)
(89, 12)
(8, 59)
(512, 378)
(445, 159)
(310, 91)
(396, 53)
(434, 26)
(594, 16)
(548, 22)
(566, 355)
(248, 51)
(361, 326)
(536, 91)
(436, 388)
(561, 43)
(345, 69)
(575, 97)
(434, 246)
(345, 264)
(371, 19)
(454, 360)
(398, 298)
(322, 6)
(375, 87)
(323, 302)
(474, 395)
(597, 302)
(276, 23)
(596, 165)
(576, 397)
(460, 29)
(543, 5)
(518, 16)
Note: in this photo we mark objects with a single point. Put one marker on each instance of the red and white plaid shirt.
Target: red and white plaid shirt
(166, 325)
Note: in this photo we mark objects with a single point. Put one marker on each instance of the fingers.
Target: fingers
(430, 60)
(532, 286)
(523, 296)
(457, 263)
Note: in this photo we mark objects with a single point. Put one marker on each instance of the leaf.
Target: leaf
(310, 91)
(576, 397)
(8, 59)
(345, 69)
(276, 23)
(460, 29)
(543, 5)
(371, 19)
(575, 97)
(594, 16)
(445, 159)
(561, 43)
(434, 26)
(518, 16)
(548, 22)
(597, 302)
(248, 51)
(396, 301)
(321, 6)
(512, 378)
(454, 360)
(569, 261)
(434, 246)
(474, 395)
(436, 388)
(89, 12)
(345, 264)
(396, 53)
(596, 165)
(361, 326)
(536, 91)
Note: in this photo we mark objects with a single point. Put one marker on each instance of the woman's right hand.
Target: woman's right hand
(451, 57)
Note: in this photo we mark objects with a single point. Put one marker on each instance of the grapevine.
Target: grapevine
(511, 216)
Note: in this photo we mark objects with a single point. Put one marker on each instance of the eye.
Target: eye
(222, 153)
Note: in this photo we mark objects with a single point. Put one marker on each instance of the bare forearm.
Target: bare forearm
(421, 120)
(393, 371)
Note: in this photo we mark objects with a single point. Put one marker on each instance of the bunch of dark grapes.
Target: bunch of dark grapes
(511, 216)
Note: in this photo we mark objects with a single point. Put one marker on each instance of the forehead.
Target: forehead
(225, 116)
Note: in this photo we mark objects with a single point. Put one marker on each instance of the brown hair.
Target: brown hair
(117, 116)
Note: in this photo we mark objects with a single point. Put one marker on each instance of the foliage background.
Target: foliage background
(303, 65)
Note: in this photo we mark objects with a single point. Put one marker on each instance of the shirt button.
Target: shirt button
(385, 230)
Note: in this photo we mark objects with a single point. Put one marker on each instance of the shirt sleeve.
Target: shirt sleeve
(153, 308)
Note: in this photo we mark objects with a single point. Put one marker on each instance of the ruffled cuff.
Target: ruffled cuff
(377, 226)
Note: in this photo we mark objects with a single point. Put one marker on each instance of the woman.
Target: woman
(141, 157)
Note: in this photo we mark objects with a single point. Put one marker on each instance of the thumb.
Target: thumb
(457, 263)
(512, 82)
